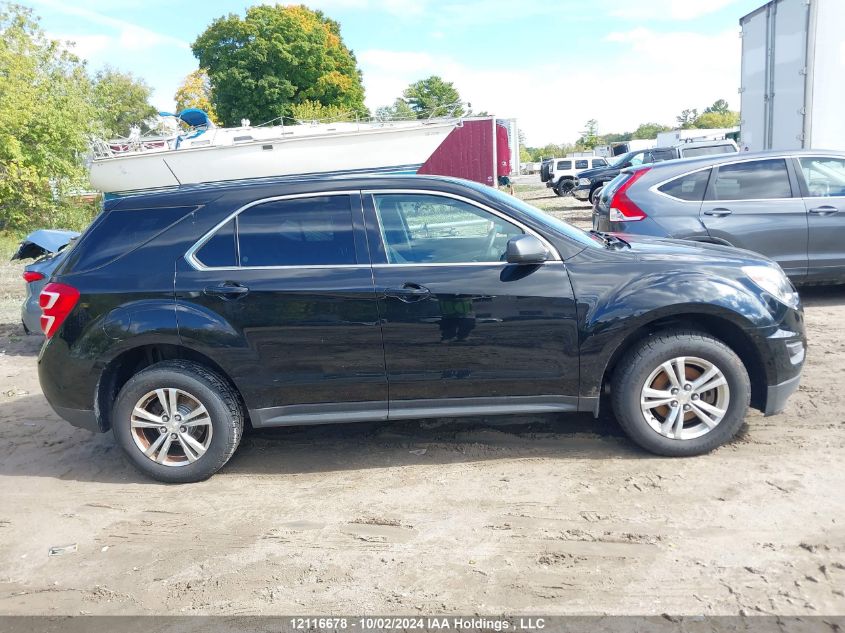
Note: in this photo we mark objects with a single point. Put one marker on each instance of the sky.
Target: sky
(551, 64)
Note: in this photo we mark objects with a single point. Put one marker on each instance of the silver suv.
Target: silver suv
(789, 206)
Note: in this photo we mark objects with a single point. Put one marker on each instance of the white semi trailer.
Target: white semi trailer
(793, 75)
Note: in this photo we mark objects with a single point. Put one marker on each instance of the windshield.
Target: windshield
(561, 226)
(623, 159)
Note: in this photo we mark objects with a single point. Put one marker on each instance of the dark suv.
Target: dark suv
(180, 315)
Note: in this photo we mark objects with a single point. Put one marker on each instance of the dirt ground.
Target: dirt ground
(552, 515)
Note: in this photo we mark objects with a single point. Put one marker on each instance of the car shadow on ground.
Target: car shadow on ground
(820, 296)
(41, 445)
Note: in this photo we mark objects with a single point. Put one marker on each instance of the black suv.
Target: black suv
(179, 316)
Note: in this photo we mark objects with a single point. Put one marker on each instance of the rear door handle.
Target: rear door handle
(718, 212)
(408, 293)
(228, 290)
(824, 210)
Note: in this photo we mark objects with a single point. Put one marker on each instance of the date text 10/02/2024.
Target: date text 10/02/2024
(420, 623)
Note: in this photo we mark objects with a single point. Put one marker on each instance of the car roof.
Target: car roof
(338, 181)
(693, 163)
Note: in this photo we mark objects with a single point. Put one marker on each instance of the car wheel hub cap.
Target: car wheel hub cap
(171, 427)
(685, 397)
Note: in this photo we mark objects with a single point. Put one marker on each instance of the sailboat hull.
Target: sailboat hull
(388, 148)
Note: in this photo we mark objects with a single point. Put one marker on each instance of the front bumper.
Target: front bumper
(582, 192)
(784, 351)
(777, 395)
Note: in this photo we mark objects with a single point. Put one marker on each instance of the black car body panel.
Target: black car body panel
(369, 339)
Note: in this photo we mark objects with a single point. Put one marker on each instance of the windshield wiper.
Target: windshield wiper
(610, 240)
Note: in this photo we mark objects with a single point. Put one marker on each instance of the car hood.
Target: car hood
(659, 248)
(43, 242)
(598, 171)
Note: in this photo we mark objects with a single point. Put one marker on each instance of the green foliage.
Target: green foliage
(46, 113)
(712, 120)
(121, 101)
(649, 130)
(400, 110)
(720, 106)
(686, 119)
(195, 92)
(433, 97)
(315, 111)
(551, 150)
(589, 136)
(274, 58)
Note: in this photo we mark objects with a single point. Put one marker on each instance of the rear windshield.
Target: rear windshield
(118, 232)
(709, 150)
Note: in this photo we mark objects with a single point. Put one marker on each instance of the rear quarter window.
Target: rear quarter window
(690, 187)
(121, 231)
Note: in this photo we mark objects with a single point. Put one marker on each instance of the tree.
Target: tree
(400, 110)
(46, 114)
(649, 130)
(275, 57)
(316, 111)
(712, 120)
(433, 97)
(719, 106)
(686, 119)
(195, 92)
(121, 101)
(590, 136)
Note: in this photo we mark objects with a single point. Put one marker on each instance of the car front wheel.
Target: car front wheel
(178, 421)
(681, 393)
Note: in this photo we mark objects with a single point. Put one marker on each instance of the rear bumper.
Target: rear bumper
(80, 418)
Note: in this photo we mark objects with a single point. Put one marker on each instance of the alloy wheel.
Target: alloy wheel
(685, 397)
(171, 427)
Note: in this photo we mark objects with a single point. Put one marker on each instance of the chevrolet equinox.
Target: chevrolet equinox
(180, 316)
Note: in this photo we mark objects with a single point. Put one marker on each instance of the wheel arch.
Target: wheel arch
(129, 362)
(719, 327)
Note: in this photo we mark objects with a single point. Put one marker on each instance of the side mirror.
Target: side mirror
(526, 249)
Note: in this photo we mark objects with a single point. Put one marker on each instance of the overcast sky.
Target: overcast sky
(552, 64)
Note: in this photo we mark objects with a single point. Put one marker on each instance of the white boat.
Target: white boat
(211, 154)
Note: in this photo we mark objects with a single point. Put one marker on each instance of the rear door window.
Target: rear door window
(825, 177)
(221, 250)
(582, 164)
(752, 180)
(297, 232)
(690, 187)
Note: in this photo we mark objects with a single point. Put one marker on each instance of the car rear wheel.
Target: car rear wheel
(178, 421)
(681, 393)
(594, 196)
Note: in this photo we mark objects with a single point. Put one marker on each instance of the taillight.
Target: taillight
(30, 275)
(622, 208)
(56, 301)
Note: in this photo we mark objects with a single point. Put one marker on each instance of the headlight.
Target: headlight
(583, 181)
(773, 281)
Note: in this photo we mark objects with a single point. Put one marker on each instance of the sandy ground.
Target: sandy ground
(552, 515)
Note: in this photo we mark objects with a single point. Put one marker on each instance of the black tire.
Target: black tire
(638, 364)
(594, 195)
(556, 189)
(206, 386)
(565, 187)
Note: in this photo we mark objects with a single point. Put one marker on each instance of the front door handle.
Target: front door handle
(824, 210)
(227, 291)
(408, 293)
(718, 212)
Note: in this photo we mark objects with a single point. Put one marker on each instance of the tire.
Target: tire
(556, 189)
(217, 430)
(564, 187)
(595, 195)
(639, 366)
